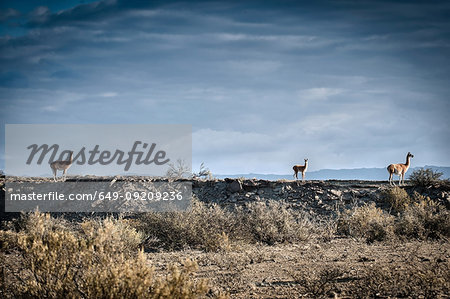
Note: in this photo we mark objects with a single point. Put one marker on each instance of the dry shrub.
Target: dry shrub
(425, 177)
(219, 242)
(318, 284)
(99, 260)
(273, 222)
(201, 226)
(212, 228)
(368, 222)
(415, 280)
(423, 219)
(324, 229)
(179, 285)
(47, 255)
(397, 198)
(134, 278)
(423, 280)
(112, 235)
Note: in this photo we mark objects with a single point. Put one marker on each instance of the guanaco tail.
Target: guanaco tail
(400, 170)
(300, 168)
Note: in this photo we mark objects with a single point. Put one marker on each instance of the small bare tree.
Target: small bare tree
(178, 170)
(203, 173)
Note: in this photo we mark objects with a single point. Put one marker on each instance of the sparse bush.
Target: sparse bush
(274, 223)
(321, 228)
(201, 226)
(424, 219)
(397, 198)
(179, 170)
(48, 254)
(379, 280)
(425, 177)
(134, 278)
(204, 172)
(368, 222)
(219, 242)
(412, 281)
(53, 261)
(318, 284)
(420, 218)
(213, 228)
(112, 235)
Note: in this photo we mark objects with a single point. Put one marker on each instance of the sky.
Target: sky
(264, 84)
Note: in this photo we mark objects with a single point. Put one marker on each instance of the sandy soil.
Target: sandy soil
(297, 270)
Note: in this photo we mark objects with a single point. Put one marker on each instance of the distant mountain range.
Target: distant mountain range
(370, 174)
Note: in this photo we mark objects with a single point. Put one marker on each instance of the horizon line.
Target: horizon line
(337, 169)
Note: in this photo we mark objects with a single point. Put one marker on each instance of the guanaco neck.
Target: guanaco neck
(408, 158)
(71, 157)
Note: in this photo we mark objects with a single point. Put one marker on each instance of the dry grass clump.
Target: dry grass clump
(212, 228)
(367, 222)
(201, 226)
(273, 222)
(397, 198)
(424, 219)
(99, 260)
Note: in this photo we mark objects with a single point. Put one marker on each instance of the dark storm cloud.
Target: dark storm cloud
(8, 14)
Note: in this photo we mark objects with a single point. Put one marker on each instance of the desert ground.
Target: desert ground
(343, 268)
(241, 239)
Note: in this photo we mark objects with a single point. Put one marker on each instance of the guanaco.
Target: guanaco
(61, 165)
(400, 170)
(301, 168)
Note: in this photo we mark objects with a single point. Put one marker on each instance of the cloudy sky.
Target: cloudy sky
(264, 84)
